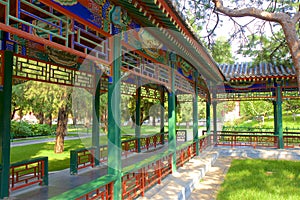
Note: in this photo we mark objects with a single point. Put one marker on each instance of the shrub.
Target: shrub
(24, 129)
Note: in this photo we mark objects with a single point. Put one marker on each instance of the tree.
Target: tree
(256, 109)
(293, 106)
(19, 103)
(221, 51)
(62, 120)
(283, 13)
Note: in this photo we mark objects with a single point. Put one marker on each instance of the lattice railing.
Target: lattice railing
(90, 41)
(43, 22)
(29, 172)
(250, 95)
(31, 69)
(159, 73)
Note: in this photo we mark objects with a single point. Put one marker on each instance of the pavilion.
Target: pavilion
(123, 47)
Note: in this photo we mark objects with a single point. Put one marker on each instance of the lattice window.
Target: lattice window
(131, 61)
(182, 84)
(164, 74)
(128, 89)
(26, 68)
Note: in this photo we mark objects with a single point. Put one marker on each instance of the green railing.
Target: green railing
(138, 177)
(81, 158)
(100, 188)
(258, 129)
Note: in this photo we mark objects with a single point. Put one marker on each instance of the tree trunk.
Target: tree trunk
(40, 117)
(153, 121)
(61, 129)
(14, 112)
(50, 120)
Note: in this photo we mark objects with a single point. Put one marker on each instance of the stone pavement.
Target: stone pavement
(198, 179)
(208, 187)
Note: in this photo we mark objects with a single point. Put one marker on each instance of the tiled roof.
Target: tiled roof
(263, 70)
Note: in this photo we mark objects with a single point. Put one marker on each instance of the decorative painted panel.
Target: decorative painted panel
(94, 11)
(184, 68)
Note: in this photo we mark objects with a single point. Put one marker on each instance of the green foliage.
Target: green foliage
(261, 179)
(293, 106)
(256, 108)
(246, 123)
(56, 161)
(24, 129)
(268, 49)
(221, 51)
(205, 20)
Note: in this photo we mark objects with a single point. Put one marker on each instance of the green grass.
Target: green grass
(261, 179)
(56, 161)
(288, 123)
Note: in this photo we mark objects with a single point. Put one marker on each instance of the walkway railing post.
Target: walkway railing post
(279, 116)
(172, 114)
(96, 120)
(195, 115)
(214, 103)
(5, 110)
(138, 116)
(114, 118)
(162, 114)
(208, 128)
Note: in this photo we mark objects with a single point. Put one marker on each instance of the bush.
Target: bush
(24, 129)
(20, 129)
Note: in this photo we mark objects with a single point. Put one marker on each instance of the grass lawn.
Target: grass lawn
(288, 123)
(253, 179)
(56, 161)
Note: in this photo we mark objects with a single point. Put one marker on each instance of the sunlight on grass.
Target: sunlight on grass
(261, 179)
(56, 161)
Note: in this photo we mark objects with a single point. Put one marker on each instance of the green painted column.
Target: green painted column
(96, 120)
(208, 128)
(114, 120)
(162, 113)
(172, 115)
(195, 116)
(279, 116)
(138, 117)
(215, 121)
(275, 117)
(5, 112)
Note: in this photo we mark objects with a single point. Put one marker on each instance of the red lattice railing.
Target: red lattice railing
(29, 172)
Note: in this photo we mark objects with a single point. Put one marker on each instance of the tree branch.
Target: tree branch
(251, 12)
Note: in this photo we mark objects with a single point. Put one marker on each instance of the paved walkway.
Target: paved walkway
(23, 142)
(208, 187)
(62, 181)
(210, 167)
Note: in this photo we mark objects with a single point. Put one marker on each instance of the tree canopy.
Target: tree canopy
(279, 18)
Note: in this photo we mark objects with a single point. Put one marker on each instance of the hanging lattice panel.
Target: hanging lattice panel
(288, 94)
(246, 96)
(30, 69)
(128, 89)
